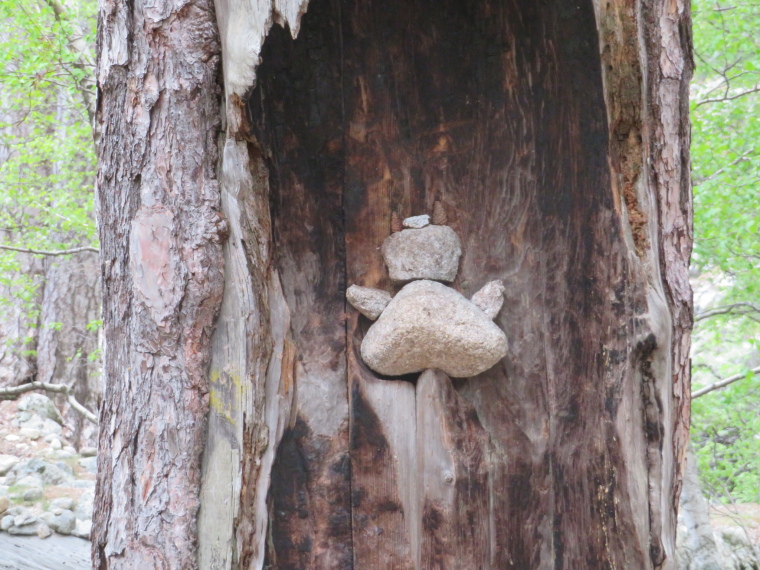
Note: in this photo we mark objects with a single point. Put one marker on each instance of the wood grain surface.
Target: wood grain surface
(556, 140)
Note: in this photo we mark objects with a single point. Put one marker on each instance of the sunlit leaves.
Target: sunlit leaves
(725, 113)
(47, 157)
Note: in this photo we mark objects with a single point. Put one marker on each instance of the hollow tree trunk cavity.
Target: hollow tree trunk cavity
(555, 136)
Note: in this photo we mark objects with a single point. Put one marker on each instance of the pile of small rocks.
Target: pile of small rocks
(46, 485)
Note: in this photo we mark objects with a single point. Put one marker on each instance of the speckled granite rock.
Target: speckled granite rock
(428, 325)
(429, 253)
(417, 222)
(490, 298)
(368, 301)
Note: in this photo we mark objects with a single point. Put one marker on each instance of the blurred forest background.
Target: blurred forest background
(49, 267)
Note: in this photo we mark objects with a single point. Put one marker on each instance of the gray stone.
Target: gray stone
(429, 325)
(48, 473)
(6, 522)
(24, 519)
(62, 521)
(88, 451)
(90, 464)
(41, 405)
(369, 301)
(33, 494)
(61, 454)
(29, 481)
(430, 253)
(43, 530)
(29, 433)
(84, 505)
(15, 511)
(490, 298)
(417, 222)
(27, 530)
(56, 444)
(45, 426)
(7, 462)
(62, 503)
(5, 504)
(83, 529)
(12, 438)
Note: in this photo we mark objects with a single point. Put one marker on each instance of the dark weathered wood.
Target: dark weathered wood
(161, 236)
(557, 143)
(497, 110)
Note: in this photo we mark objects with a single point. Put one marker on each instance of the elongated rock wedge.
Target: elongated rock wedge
(369, 301)
(490, 298)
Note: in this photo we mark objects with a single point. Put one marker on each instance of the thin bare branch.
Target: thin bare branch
(722, 383)
(14, 392)
(51, 252)
(82, 410)
(728, 97)
(741, 158)
(742, 308)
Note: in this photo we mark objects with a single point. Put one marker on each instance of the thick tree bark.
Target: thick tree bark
(565, 174)
(161, 237)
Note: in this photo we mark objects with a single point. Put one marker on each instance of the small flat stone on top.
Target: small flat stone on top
(417, 222)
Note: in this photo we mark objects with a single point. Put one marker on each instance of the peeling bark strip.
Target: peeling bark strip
(161, 236)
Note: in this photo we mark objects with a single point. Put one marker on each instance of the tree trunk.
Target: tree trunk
(556, 138)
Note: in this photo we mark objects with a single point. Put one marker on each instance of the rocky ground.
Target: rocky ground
(46, 486)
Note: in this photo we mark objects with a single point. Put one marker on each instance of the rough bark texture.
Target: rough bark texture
(66, 348)
(161, 235)
(565, 174)
(18, 364)
(63, 350)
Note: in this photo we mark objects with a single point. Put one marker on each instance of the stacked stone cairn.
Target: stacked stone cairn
(428, 325)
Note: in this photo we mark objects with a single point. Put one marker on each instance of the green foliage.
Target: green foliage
(726, 144)
(47, 156)
(726, 425)
(725, 114)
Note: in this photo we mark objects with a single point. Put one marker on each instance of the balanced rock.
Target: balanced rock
(490, 298)
(428, 325)
(368, 301)
(429, 253)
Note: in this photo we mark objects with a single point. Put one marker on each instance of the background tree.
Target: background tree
(49, 301)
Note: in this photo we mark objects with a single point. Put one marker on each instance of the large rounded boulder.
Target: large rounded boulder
(428, 325)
